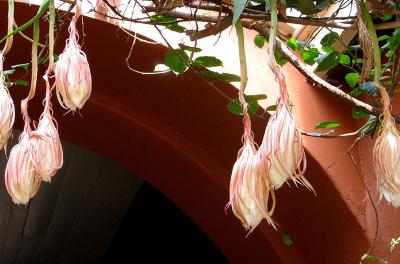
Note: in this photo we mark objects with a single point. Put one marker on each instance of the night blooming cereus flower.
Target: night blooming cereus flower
(387, 155)
(72, 72)
(7, 110)
(21, 180)
(281, 154)
(49, 153)
(249, 191)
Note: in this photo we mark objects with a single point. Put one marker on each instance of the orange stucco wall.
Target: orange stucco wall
(176, 133)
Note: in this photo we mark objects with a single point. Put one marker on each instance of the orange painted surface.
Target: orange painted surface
(176, 133)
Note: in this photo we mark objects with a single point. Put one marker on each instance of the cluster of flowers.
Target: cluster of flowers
(38, 154)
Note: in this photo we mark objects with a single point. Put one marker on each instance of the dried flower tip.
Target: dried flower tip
(392, 198)
(72, 73)
(20, 175)
(7, 110)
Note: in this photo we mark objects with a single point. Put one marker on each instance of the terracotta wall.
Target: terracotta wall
(176, 133)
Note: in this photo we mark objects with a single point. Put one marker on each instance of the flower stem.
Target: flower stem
(243, 64)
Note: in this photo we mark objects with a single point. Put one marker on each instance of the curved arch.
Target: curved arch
(176, 133)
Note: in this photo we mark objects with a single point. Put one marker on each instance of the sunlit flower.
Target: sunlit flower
(249, 191)
(49, 155)
(7, 110)
(281, 152)
(72, 73)
(387, 160)
(21, 180)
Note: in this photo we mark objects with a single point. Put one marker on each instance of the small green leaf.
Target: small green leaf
(235, 107)
(207, 61)
(225, 77)
(356, 92)
(383, 37)
(308, 56)
(358, 114)
(256, 97)
(161, 19)
(8, 73)
(176, 27)
(287, 240)
(259, 41)
(329, 39)
(387, 17)
(328, 124)
(345, 59)
(271, 108)
(188, 48)
(393, 43)
(23, 65)
(352, 78)
(292, 43)
(357, 61)
(238, 7)
(279, 58)
(21, 83)
(177, 60)
(328, 61)
(369, 88)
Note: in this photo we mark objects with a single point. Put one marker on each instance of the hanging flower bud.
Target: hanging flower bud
(72, 72)
(249, 191)
(49, 154)
(282, 152)
(7, 110)
(20, 176)
(386, 155)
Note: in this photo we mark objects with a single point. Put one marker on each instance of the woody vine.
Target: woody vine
(259, 171)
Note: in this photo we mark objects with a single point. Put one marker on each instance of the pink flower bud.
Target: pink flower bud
(49, 154)
(249, 191)
(21, 180)
(282, 152)
(72, 72)
(7, 110)
(387, 161)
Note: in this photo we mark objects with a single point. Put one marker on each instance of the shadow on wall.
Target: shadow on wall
(154, 230)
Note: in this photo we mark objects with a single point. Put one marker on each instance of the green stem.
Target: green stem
(243, 64)
(52, 20)
(9, 41)
(36, 33)
(42, 10)
(272, 34)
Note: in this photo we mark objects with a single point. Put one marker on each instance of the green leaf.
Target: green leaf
(279, 58)
(328, 61)
(8, 73)
(235, 107)
(352, 78)
(383, 37)
(207, 61)
(328, 124)
(21, 83)
(238, 7)
(176, 27)
(393, 43)
(387, 17)
(161, 19)
(256, 97)
(225, 77)
(329, 39)
(188, 48)
(287, 240)
(308, 56)
(344, 59)
(369, 88)
(23, 65)
(292, 43)
(357, 61)
(356, 92)
(177, 60)
(358, 114)
(259, 41)
(271, 108)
